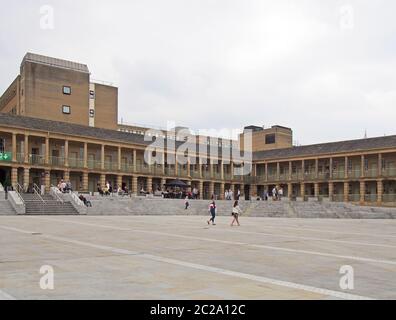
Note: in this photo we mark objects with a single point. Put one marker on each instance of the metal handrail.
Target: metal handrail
(18, 189)
(37, 191)
(57, 197)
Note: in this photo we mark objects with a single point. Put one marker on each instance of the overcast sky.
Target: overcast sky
(324, 68)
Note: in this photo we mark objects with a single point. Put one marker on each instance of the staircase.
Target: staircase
(50, 206)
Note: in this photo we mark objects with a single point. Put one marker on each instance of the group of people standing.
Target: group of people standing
(229, 195)
(65, 186)
(236, 212)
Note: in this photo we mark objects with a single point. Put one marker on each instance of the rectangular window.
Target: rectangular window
(67, 90)
(92, 94)
(66, 110)
(2, 145)
(270, 139)
(92, 114)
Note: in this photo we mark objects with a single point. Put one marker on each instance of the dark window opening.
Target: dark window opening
(270, 139)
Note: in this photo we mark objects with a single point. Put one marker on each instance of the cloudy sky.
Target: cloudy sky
(325, 68)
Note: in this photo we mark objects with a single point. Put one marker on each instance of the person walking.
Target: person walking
(187, 203)
(236, 211)
(212, 210)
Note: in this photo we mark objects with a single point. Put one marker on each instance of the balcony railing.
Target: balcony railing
(127, 167)
(158, 169)
(57, 161)
(195, 174)
(338, 198)
(206, 174)
(170, 171)
(272, 176)
(370, 198)
(371, 173)
(389, 198)
(76, 163)
(389, 172)
(297, 175)
(338, 174)
(310, 175)
(94, 164)
(20, 157)
(36, 159)
(354, 197)
(354, 173)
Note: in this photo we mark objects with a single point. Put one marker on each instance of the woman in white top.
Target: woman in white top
(236, 211)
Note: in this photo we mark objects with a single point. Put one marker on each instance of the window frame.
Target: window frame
(67, 93)
(63, 109)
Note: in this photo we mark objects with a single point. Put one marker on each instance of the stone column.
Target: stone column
(102, 180)
(222, 191)
(346, 168)
(362, 191)
(134, 161)
(211, 168)
(242, 188)
(66, 175)
(222, 172)
(253, 191)
(331, 191)
(85, 184)
(290, 170)
(85, 156)
(211, 189)
(362, 167)
(346, 191)
(150, 185)
(47, 180)
(14, 176)
(26, 178)
(380, 165)
(163, 183)
(316, 168)
(289, 190)
(188, 167)
(200, 167)
(26, 151)
(303, 190)
(102, 157)
(266, 172)
(119, 159)
(201, 189)
(135, 185)
(380, 191)
(316, 190)
(47, 151)
(331, 168)
(66, 153)
(119, 181)
(278, 171)
(14, 147)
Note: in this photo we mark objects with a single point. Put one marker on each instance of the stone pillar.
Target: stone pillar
(316, 190)
(26, 178)
(14, 147)
(290, 190)
(200, 167)
(331, 191)
(362, 167)
(222, 172)
(316, 169)
(163, 183)
(201, 190)
(242, 191)
(102, 157)
(222, 191)
(362, 191)
(150, 185)
(290, 170)
(346, 168)
(302, 190)
(134, 155)
(26, 151)
(211, 168)
(119, 159)
(47, 151)
(211, 189)
(188, 168)
(47, 180)
(135, 185)
(266, 172)
(380, 191)
(85, 184)
(102, 180)
(346, 191)
(14, 176)
(380, 165)
(119, 181)
(331, 168)
(66, 153)
(278, 171)
(253, 191)
(66, 175)
(85, 156)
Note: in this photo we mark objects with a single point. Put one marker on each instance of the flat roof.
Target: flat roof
(65, 64)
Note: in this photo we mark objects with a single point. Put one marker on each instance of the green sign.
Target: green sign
(5, 156)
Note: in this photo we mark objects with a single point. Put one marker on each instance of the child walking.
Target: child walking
(236, 211)
(212, 210)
